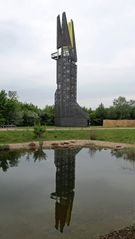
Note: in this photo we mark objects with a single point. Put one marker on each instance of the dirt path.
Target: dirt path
(70, 143)
(69, 128)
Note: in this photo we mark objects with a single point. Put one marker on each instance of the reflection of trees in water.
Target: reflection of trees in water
(126, 154)
(92, 150)
(65, 184)
(9, 159)
(39, 155)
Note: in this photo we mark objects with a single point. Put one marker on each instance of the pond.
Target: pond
(65, 193)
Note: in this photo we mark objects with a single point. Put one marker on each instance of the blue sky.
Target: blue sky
(105, 39)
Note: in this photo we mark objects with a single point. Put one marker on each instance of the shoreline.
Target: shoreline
(125, 233)
(67, 144)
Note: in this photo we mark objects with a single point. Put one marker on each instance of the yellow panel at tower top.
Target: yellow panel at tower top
(70, 29)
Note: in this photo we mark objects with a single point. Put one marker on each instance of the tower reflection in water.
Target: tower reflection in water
(65, 185)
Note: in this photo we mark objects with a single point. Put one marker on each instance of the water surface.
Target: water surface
(77, 193)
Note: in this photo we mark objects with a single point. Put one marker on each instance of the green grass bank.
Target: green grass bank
(112, 135)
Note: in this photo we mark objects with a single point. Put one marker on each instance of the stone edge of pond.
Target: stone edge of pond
(65, 144)
(125, 233)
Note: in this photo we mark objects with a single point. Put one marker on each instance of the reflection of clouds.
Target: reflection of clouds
(128, 168)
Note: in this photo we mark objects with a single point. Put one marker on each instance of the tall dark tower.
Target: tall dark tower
(67, 110)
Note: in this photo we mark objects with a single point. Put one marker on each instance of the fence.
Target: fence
(119, 123)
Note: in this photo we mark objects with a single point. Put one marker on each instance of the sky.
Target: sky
(105, 40)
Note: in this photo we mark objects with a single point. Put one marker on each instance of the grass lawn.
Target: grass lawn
(116, 135)
(112, 135)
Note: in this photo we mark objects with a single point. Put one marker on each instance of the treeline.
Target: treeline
(15, 112)
(121, 109)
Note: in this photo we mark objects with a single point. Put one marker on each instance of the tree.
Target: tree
(122, 108)
(30, 118)
(111, 113)
(39, 130)
(100, 113)
(132, 109)
(3, 100)
(10, 111)
(47, 115)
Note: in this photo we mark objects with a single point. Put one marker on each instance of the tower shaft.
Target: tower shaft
(67, 110)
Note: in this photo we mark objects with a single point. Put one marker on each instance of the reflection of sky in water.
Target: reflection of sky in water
(104, 196)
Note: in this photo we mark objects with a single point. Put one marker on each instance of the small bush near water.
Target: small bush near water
(39, 130)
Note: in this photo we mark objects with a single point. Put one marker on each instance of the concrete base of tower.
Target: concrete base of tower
(72, 122)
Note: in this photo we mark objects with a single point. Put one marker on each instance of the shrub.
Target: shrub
(39, 130)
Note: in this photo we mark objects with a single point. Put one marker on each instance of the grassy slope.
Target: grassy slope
(112, 135)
